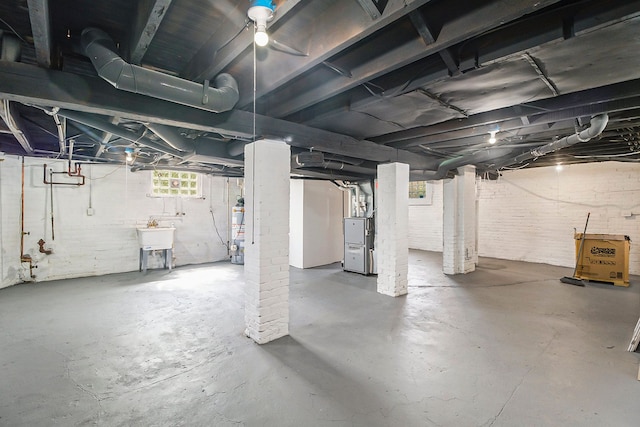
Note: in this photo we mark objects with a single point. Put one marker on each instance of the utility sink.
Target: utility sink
(155, 238)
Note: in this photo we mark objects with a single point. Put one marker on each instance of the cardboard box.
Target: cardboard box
(605, 258)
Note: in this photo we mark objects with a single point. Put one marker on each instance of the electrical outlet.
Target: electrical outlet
(90, 212)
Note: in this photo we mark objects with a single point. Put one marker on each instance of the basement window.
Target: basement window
(420, 193)
(175, 184)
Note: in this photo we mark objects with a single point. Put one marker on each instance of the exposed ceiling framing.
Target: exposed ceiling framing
(364, 82)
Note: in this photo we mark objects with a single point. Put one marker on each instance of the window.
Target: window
(420, 193)
(172, 184)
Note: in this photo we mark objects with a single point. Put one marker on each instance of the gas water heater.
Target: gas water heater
(237, 232)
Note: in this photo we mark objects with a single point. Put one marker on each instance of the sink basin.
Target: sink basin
(155, 238)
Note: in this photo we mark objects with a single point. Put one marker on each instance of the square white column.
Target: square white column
(459, 252)
(266, 264)
(392, 228)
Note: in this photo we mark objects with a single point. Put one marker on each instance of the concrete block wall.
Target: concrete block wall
(267, 194)
(105, 242)
(530, 215)
(392, 228)
(425, 222)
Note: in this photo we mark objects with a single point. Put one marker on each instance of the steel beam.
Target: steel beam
(41, 30)
(149, 15)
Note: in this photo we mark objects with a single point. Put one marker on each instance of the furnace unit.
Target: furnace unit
(358, 245)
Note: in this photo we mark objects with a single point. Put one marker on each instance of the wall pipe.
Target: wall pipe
(596, 127)
(102, 52)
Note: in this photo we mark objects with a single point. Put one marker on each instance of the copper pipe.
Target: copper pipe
(24, 257)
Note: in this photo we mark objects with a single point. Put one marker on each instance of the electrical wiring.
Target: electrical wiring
(215, 226)
(550, 199)
(13, 31)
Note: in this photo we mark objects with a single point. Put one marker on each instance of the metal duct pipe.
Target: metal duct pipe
(210, 171)
(456, 162)
(105, 126)
(330, 164)
(10, 47)
(596, 127)
(171, 136)
(102, 52)
(236, 148)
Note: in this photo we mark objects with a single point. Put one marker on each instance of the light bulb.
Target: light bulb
(559, 167)
(492, 139)
(261, 38)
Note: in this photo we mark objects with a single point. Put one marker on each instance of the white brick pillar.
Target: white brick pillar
(459, 254)
(266, 265)
(392, 229)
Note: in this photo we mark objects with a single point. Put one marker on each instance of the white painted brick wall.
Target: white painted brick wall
(392, 229)
(105, 242)
(530, 215)
(459, 223)
(267, 166)
(425, 222)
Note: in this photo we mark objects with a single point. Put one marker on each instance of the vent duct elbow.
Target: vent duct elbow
(101, 50)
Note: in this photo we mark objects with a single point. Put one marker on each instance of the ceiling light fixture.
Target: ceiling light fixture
(492, 139)
(129, 152)
(559, 167)
(261, 12)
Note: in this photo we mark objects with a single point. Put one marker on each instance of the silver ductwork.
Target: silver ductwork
(102, 52)
(597, 126)
(456, 162)
(171, 136)
(105, 126)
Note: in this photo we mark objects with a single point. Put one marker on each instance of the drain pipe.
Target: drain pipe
(597, 126)
(101, 50)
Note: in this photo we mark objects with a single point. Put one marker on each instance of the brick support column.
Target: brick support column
(392, 229)
(266, 267)
(459, 254)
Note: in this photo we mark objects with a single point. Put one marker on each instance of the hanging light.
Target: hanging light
(129, 153)
(261, 12)
(492, 139)
(559, 167)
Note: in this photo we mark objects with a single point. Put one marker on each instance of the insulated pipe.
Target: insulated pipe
(105, 126)
(171, 137)
(101, 50)
(597, 125)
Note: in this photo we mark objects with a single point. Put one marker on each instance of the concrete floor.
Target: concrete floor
(507, 345)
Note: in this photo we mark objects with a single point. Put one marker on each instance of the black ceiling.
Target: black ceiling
(362, 81)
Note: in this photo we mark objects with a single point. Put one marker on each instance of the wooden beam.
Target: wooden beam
(150, 14)
(41, 30)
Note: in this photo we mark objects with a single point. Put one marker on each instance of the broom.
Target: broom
(574, 280)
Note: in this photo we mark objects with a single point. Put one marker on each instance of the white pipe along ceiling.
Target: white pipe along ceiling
(436, 84)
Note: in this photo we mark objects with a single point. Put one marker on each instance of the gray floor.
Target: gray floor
(506, 345)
